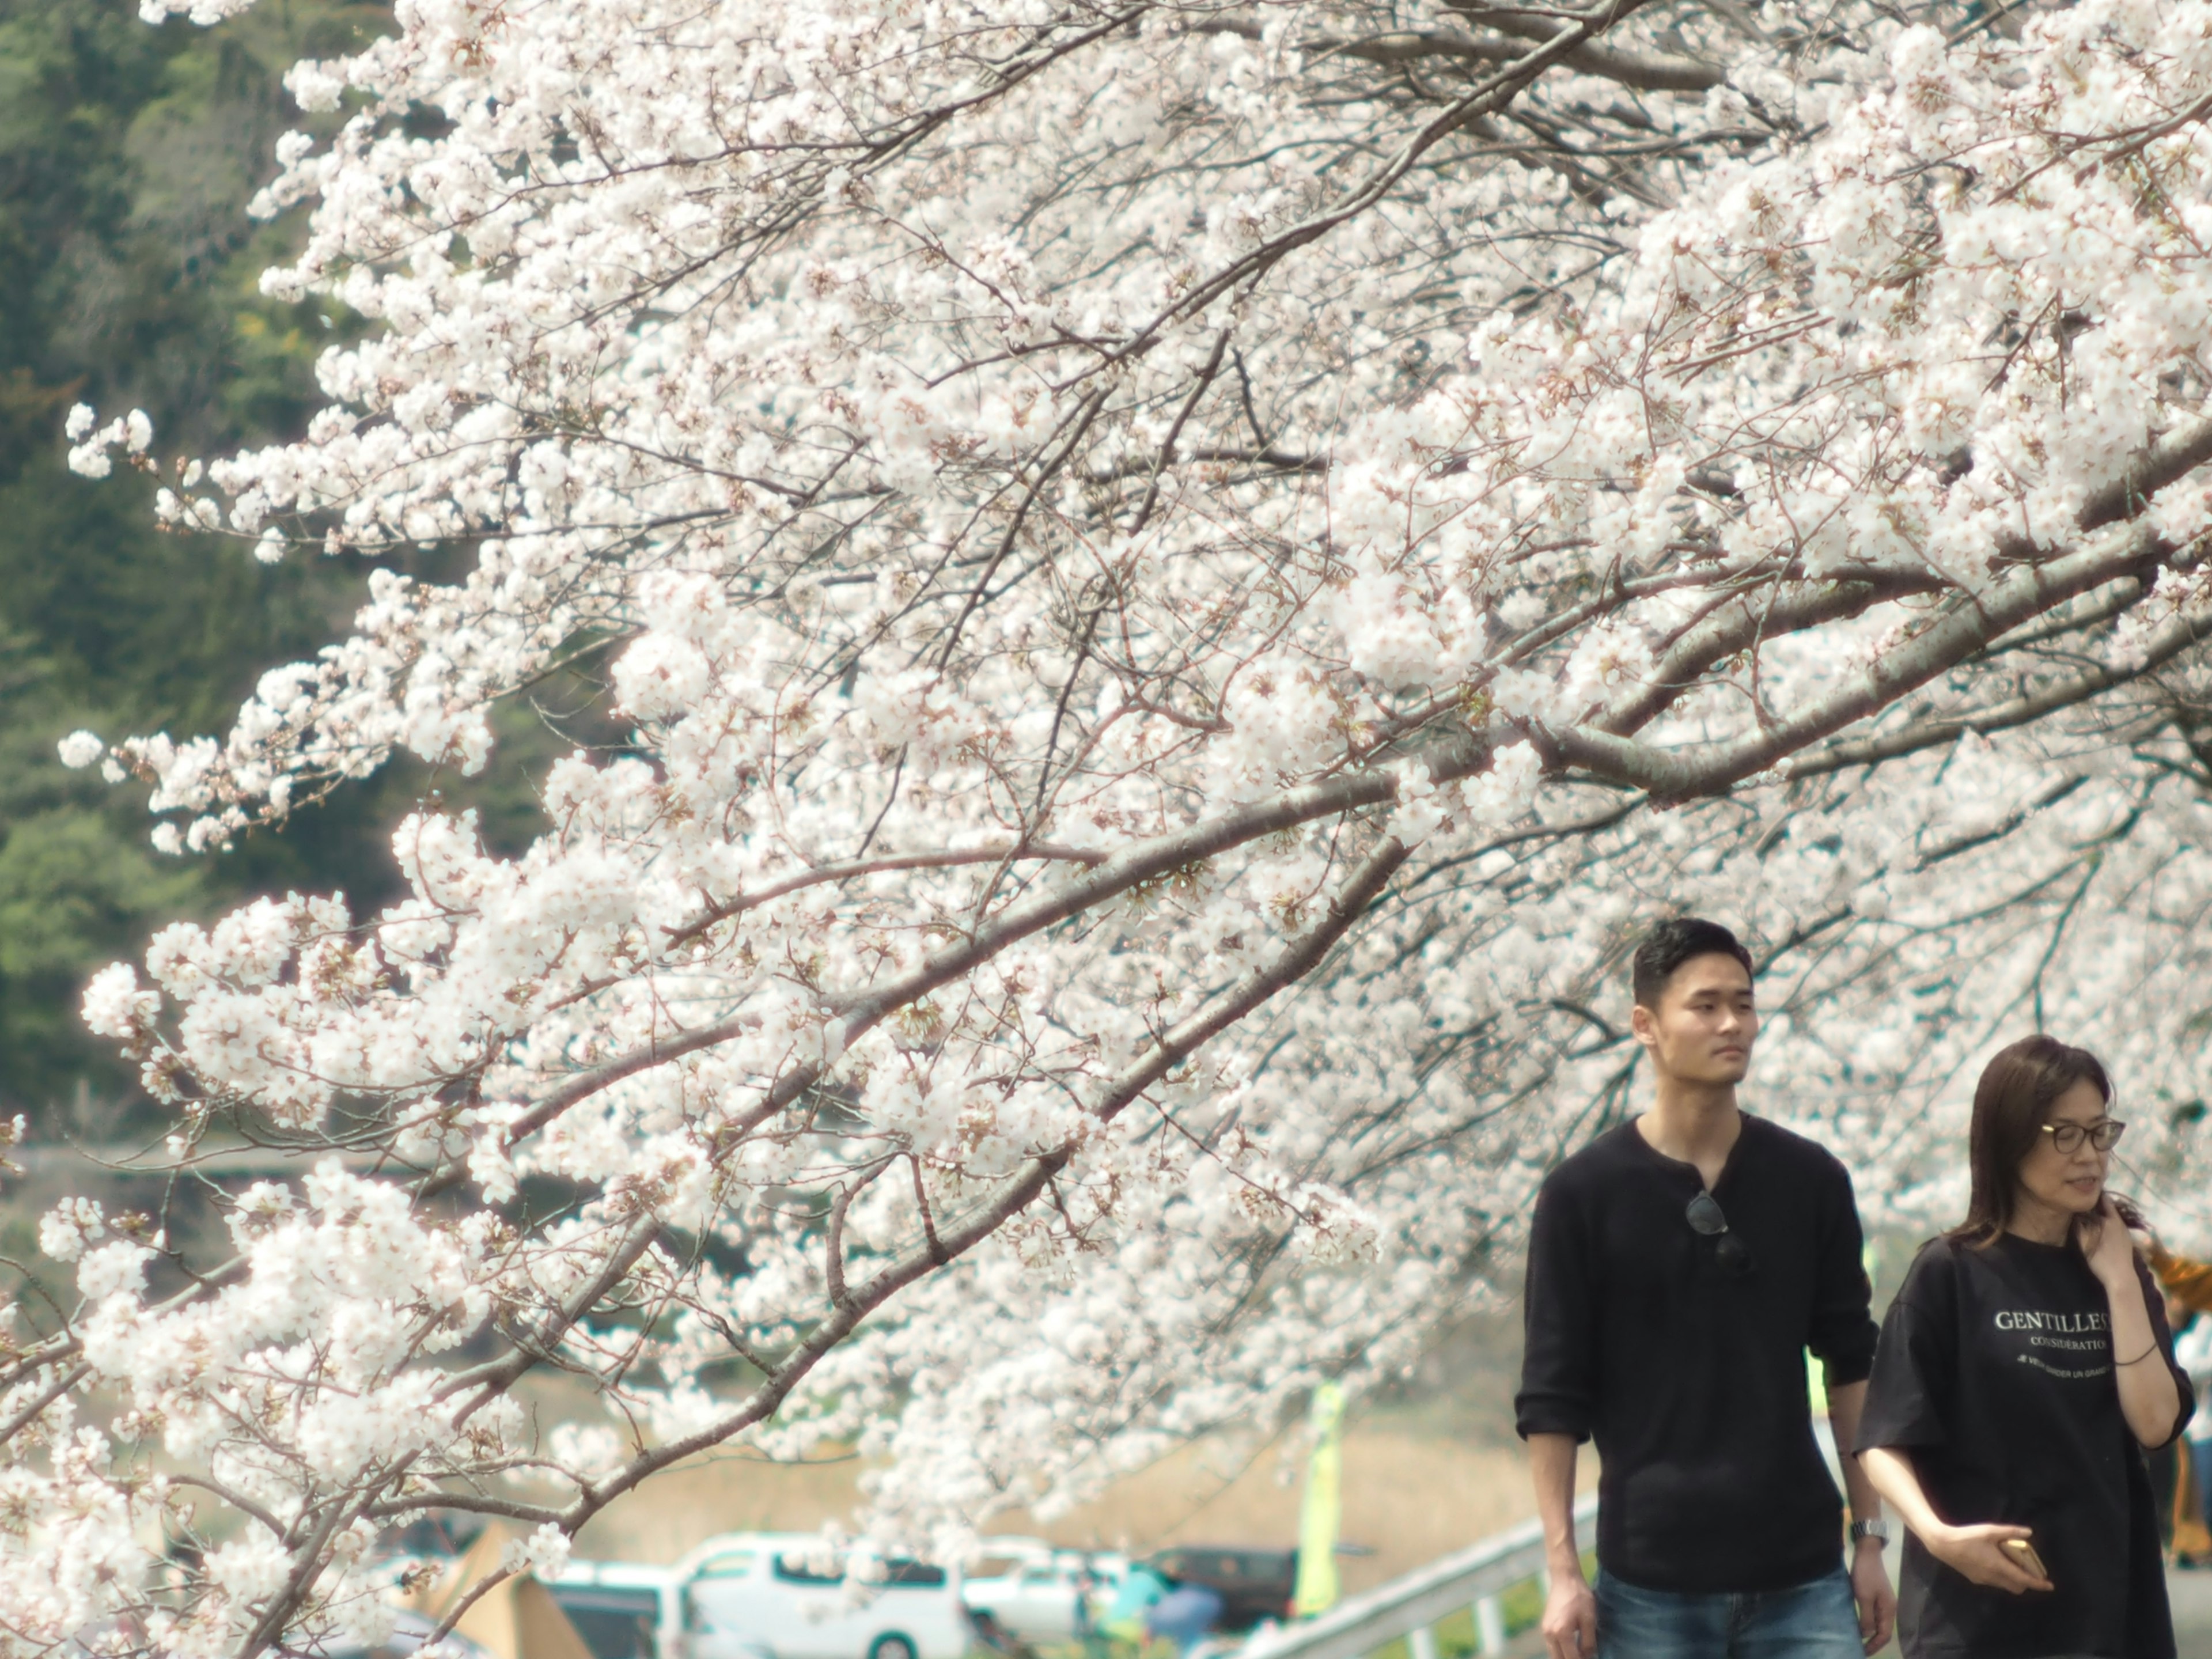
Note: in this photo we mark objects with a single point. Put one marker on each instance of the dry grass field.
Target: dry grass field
(1409, 1496)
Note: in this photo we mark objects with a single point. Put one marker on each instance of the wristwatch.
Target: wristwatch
(1876, 1528)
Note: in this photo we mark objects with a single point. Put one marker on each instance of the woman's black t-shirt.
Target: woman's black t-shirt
(1994, 1375)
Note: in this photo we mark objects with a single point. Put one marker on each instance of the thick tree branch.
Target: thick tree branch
(1973, 623)
(2166, 642)
(2036, 582)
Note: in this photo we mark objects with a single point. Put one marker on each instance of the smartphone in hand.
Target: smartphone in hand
(2023, 1553)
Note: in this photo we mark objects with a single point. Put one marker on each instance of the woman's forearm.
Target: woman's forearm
(1977, 1551)
(2148, 1398)
(1892, 1474)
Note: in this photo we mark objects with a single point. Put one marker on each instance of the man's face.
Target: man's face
(1705, 1022)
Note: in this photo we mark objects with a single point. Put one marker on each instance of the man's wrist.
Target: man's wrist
(1872, 1530)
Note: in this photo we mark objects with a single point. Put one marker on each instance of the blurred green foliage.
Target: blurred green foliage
(129, 276)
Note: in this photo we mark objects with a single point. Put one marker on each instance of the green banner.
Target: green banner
(1322, 1507)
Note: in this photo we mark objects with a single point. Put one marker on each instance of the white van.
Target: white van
(788, 1592)
(1040, 1593)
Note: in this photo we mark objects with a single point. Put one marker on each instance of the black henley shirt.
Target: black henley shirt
(1690, 1378)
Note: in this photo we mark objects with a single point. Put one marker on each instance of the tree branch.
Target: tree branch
(2182, 631)
(2033, 587)
(1297, 958)
(1641, 72)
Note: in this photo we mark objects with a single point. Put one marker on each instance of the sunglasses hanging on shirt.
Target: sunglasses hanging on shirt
(1708, 1220)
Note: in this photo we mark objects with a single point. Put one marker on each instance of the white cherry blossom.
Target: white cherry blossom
(1183, 580)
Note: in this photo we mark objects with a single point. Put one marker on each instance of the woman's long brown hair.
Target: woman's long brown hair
(2011, 1104)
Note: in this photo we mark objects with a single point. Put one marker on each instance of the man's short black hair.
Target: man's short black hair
(1674, 942)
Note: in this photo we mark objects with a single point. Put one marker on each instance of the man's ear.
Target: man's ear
(1641, 1024)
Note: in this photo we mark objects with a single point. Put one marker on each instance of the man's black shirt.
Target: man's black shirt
(1690, 1377)
(1994, 1376)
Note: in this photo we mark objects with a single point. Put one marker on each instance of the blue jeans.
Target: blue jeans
(2200, 1454)
(1817, 1621)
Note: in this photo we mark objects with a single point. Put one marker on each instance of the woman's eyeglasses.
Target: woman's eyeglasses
(1707, 1220)
(2104, 1135)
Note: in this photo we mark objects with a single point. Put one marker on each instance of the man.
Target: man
(1679, 1268)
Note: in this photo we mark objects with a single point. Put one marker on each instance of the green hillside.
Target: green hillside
(129, 276)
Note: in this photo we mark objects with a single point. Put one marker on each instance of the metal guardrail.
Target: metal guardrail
(1409, 1605)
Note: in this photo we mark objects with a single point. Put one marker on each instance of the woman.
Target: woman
(2023, 1366)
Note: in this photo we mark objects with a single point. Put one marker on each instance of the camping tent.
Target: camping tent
(516, 1619)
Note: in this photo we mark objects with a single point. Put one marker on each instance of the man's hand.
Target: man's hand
(1975, 1553)
(1570, 1622)
(1877, 1602)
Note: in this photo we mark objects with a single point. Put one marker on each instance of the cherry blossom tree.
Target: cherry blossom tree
(1182, 579)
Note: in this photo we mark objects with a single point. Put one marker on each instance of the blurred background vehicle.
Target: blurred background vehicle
(1037, 1593)
(1253, 1585)
(623, 1609)
(801, 1600)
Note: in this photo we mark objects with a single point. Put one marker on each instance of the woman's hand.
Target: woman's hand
(2103, 1240)
(1978, 1553)
(1975, 1553)
(2150, 1397)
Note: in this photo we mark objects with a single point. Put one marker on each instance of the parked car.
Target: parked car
(1254, 1584)
(620, 1609)
(791, 1594)
(1039, 1594)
